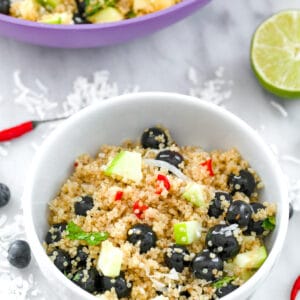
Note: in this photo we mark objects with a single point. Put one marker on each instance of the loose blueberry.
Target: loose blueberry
(19, 254)
(85, 204)
(143, 235)
(155, 138)
(81, 256)
(255, 226)
(121, 286)
(55, 233)
(61, 259)
(88, 280)
(239, 212)
(177, 257)
(206, 264)
(216, 206)
(172, 157)
(4, 7)
(220, 240)
(4, 192)
(225, 290)
(244, 182)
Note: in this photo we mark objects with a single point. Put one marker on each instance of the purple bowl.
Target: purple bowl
(94, 35)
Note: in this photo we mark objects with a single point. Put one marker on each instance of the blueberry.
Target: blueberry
(239, 212)
(88, 280)
(225, 290)
(85, 204)
(216, 206)
(143, 235)
(19, 254)
(61, 260)
(79, 19)
(55, 232)
(255, 226)
(81, 7)
(4, 192)
(291, 210)
(220, 240)
(4, 7)
(155, 138)
(244, 182)
(177, 257)
(81, 256)
(121, 286)
(206, 264)
(172, 157)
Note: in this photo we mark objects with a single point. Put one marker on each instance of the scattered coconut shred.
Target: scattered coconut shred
(13, 284)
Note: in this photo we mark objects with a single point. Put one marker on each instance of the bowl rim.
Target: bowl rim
(79, 27)
(39, 252)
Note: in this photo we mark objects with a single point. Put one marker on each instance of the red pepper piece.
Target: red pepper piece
(119, 195)
(208, 165)
(16, 131)
(139, 208)
(295, 289)
(164, 179)
(75, 164)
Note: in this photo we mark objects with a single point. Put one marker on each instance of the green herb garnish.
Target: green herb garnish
(269, 223)
(77, 277)
(131, 14)
(223, 281)
(92, 238)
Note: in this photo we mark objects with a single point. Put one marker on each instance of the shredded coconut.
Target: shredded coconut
(280, 108)
(215, 90)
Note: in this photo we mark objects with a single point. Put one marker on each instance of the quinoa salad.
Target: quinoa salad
(81, 11)
(154, 220)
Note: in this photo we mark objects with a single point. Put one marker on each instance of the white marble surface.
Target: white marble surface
(218, 35)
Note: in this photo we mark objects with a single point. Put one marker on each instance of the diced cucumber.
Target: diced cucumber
(195, 193)
(105, 15)
(110, 259)
(251, 259)
(127, 165)
(186, 233)
(49, 4)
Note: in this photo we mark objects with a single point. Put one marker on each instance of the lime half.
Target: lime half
(275, 54)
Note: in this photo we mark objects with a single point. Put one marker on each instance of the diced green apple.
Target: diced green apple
(127, 165)
(251, 259)
(195, 193)
(110, 259)
(186, 233)
(105, 15)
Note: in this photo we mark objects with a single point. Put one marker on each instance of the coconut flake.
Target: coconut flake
(216, 90)
(167, 166)
(279, 108)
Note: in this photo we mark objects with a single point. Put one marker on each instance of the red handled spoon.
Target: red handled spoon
(21, 129)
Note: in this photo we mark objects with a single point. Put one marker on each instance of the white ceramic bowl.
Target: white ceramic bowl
(191, 122)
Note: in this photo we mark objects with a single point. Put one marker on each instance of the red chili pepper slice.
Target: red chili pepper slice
(139, 208)
(208, 165)
(164, 179)
(119, 195)
(75, 164)
(295, 289)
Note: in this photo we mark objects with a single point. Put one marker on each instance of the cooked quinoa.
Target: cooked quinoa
(82, 11)
(115, 204)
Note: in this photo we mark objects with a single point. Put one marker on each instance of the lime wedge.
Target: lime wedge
(275, 54)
